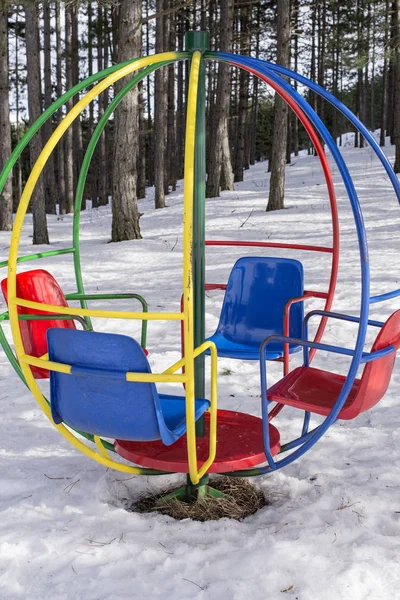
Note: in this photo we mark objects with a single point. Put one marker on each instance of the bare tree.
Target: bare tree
(244, 78)
(68, 137)
(396, 100)
(160, 125)
(125, 223)
(40, 233)
(385, 77)
(5, 129)
(279, 141)
(60, 146)
(50, 180)
(219, 154)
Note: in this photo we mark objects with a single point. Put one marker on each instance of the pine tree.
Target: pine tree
(5, 129)
(40, 233)
(219, 140)
(125, 222)
(278, 154)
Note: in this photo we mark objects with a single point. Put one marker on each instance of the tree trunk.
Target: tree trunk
(219, 155)
(296, 8)
(17, 191)
(171, 133)
(6, 203)
(93, 167)
(77, 125)
(141, 184)
(164, 110)
(103, 101)
(60, 146)
(125, 222)
(40, 233)
(150, 131)
(278, 153)
(396, 112)
(244, 78)
(68, 137)
(180, 103)
(391, 73)
(50, 180)
(159, 114)
(385, 79)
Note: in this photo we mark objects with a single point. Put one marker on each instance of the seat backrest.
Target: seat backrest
(96, 398)
(39, 286)
(255, 298)
(376, 375)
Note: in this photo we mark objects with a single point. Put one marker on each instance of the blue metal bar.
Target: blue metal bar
(383, 297)
(365, 356)
(306, 423)
(340, 316)
(371, 356)
(312, 437)
(298, 441)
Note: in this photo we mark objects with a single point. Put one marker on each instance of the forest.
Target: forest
(46, 48)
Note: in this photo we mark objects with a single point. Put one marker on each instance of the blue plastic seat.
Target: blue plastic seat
(256, 294)
(97, 399)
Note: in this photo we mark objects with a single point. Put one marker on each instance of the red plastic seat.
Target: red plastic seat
(316, 391)
(39, 286)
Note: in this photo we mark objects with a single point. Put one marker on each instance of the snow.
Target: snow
(332, 527)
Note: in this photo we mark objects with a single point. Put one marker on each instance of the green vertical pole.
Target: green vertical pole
(199, 40)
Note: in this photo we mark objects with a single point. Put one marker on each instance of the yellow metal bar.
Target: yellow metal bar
(34, 361)
(110, 314)
(188, 194)
(157, 377)
(213, 398)
(130, 376)
(181, 363)
(100, 447)
(13, 255)
(213, 406)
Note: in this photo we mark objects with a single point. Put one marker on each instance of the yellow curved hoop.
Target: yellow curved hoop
(187, 316)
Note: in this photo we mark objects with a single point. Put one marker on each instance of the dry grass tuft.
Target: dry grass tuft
(241, 500)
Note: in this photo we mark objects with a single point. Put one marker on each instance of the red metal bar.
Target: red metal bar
(214, 286)
(269, 245)
(315, 294)
(286, 316)
(332, 199)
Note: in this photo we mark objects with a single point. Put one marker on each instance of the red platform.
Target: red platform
(239, 446)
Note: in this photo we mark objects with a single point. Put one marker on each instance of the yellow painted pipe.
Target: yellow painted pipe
(15, 240)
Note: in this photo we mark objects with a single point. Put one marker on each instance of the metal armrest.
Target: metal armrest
(340, 316)
(286, 314)
(52, 317)
(111, 296)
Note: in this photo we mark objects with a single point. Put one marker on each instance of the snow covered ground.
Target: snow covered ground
(331, 530)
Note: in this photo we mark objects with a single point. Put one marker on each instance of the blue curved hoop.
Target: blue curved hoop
(269, 70)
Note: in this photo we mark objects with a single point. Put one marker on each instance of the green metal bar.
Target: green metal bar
(79, 296)
(85, 168)
(52, 317)
(192, 493)
(39, 255)
(199, 40)
(8, 350)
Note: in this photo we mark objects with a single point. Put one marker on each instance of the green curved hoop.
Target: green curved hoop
(85, 168)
